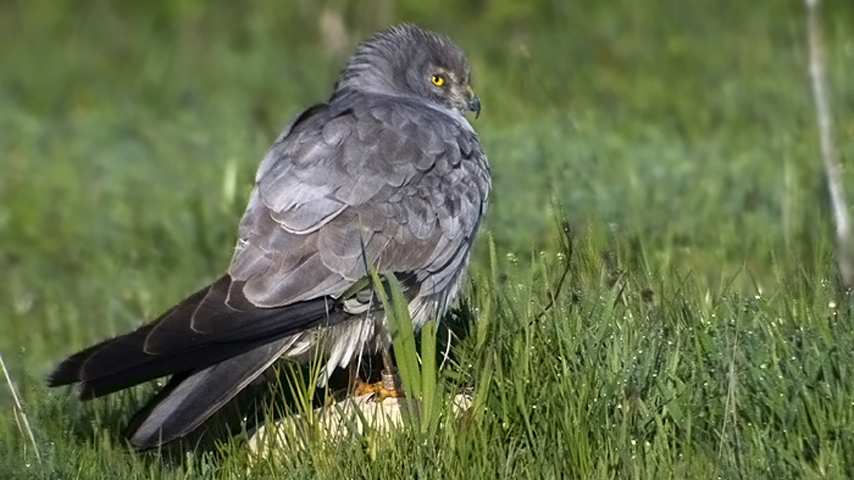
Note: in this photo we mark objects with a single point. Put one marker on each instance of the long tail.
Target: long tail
(213, 343)
(190, 399)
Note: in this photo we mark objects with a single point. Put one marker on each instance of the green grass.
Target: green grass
(700, 333)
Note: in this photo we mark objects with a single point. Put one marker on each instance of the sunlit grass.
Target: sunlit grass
(700, 331)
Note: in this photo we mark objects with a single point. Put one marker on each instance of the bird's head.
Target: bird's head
(411, 62)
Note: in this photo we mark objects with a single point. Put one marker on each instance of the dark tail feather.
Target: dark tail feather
(190, 399)
(212, 325)
(104, 360)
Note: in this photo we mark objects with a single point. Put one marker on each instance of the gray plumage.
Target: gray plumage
(388, 171)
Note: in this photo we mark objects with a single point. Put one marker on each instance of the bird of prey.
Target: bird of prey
(388, 172)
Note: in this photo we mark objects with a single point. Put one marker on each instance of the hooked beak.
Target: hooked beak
(474, 102)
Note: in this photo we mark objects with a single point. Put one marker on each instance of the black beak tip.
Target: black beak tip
(474, 106)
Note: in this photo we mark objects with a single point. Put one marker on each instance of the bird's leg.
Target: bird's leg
(389, 386)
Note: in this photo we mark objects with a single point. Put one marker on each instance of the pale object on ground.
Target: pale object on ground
(337, 420)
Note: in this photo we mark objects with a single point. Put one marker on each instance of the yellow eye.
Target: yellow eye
(437, 80)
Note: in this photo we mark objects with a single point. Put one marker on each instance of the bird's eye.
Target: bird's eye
(437, 80)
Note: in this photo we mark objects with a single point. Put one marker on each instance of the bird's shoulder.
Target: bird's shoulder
(353, 120)
(375, 177)
(344, 152)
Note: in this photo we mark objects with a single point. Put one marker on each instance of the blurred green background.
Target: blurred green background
(130, 133)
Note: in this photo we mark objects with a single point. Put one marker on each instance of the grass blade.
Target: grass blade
(400, 323)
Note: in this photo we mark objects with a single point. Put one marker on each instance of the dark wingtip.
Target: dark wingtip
(66, 373)
(70, 371)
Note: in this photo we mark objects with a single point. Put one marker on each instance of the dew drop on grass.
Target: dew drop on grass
(511, 257)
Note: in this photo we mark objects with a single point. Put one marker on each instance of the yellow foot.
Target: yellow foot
(389, 387)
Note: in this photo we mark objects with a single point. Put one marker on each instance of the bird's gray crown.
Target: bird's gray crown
(401, 60)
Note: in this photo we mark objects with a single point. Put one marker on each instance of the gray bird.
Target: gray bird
(388, 172)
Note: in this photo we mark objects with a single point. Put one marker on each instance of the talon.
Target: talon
(388, 387)
(363, 388)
